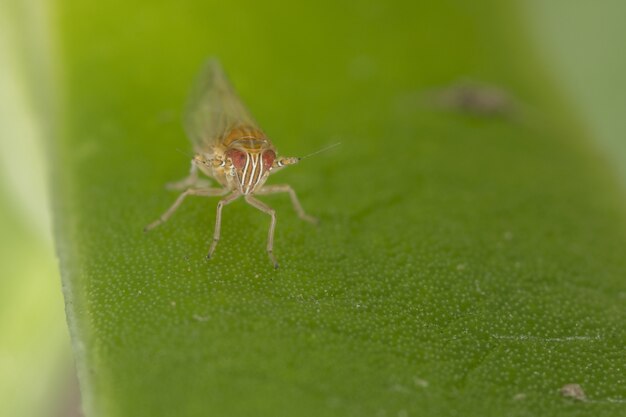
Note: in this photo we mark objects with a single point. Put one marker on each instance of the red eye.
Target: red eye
(268, 159)
(238, 158)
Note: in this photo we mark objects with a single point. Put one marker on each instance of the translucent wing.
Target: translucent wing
(214, 108)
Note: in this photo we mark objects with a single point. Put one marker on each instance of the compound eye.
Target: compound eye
(268, 159)
(238, 158)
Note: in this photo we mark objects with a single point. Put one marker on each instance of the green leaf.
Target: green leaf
(464, 265)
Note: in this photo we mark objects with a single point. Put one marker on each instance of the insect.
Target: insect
(231, 148)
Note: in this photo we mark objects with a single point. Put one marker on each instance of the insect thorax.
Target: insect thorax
(244, 135)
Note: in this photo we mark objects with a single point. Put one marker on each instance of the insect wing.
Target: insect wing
(214, 108)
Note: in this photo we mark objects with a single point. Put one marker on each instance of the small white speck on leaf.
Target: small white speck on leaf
(574, 391)
(198, 317)
(400, 388)
(419, 382)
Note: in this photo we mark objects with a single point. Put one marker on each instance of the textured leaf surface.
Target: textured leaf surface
(464, 265)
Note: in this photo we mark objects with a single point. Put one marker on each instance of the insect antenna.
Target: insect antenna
(187, 154)
(327, 148)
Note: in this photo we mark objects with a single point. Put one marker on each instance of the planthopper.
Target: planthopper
(230, 148)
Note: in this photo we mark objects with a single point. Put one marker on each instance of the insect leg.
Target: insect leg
(186, 182)
(270, 238)
(284, 188)
(191, 191)
(218, 219)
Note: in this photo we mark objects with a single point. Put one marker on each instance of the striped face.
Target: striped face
(251, 168)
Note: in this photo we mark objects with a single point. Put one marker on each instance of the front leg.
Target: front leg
(270, 238)
(218, 220)
(284, 188)
(206, 192)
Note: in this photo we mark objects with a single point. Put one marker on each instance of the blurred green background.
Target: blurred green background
(78, 79)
